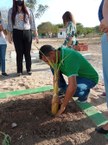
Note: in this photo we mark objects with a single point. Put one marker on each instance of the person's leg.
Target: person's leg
(61, 83)
(3, 53)
(83, 88)
(0, 57)
(18, 43)
(104, 43)
(27, 37)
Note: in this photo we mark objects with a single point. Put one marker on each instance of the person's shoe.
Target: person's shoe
(81, 101)
(101, 130)
(103, 94)
(29, 72)
(61, 92)
(5, 74)
(19, 74)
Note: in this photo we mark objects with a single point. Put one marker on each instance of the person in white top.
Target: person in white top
(21, 25)
(3, 46)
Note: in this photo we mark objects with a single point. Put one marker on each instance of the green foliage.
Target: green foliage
(96, 29)
(59, 25)
(47, 29)
(55, 29)
(87, 30)
(6, 139)
(31, 4)
(39, 9)
(80, 28)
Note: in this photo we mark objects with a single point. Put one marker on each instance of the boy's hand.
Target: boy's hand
(35, 36)
(37, 40)
(104, 26)
(61, 110)
(9, 36)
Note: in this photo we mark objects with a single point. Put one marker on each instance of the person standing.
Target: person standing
(103, 17)
(21, 24)
(3, 46)
(70, 42)
(70, 24)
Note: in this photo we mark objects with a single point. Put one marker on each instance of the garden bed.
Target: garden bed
(35, 124)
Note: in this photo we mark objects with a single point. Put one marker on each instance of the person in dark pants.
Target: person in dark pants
(21, 24)
(22, 41)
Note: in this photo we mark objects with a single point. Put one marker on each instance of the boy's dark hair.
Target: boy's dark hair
(45, 49)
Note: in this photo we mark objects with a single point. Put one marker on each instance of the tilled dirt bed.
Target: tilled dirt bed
(28, 121)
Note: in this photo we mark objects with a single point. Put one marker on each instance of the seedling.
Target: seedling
(6, 139)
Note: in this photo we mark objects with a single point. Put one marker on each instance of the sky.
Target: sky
(84, 11)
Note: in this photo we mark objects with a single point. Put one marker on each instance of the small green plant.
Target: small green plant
(56, 68)
(6, 139)
(55, 102)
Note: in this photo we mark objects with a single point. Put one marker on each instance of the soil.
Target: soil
(37, 126)
(28, 119)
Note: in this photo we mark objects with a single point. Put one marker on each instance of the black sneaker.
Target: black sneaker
(82, 101)
(19, 74)
(29, 72)
(5, 74)
(101, 130)
(61, 92)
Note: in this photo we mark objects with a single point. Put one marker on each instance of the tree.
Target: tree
(55, 30)
(45, 28)
(96, 29)
(48, 29)
(80, 28)
(60, 25)
(39, 10)
(88, 30)
(31, 4)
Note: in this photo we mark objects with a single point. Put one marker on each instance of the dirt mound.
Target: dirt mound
(36, 126)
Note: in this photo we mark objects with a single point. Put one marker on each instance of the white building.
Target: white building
(61, 33)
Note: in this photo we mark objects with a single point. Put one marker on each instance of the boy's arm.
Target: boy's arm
(70, 91)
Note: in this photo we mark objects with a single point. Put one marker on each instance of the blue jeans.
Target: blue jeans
(104, 44)
(83, 86)
(2, 56)
(61, 82)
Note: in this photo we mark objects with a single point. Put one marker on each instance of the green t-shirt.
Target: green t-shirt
(74, 64)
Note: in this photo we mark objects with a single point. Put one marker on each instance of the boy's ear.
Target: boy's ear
(51, 52)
